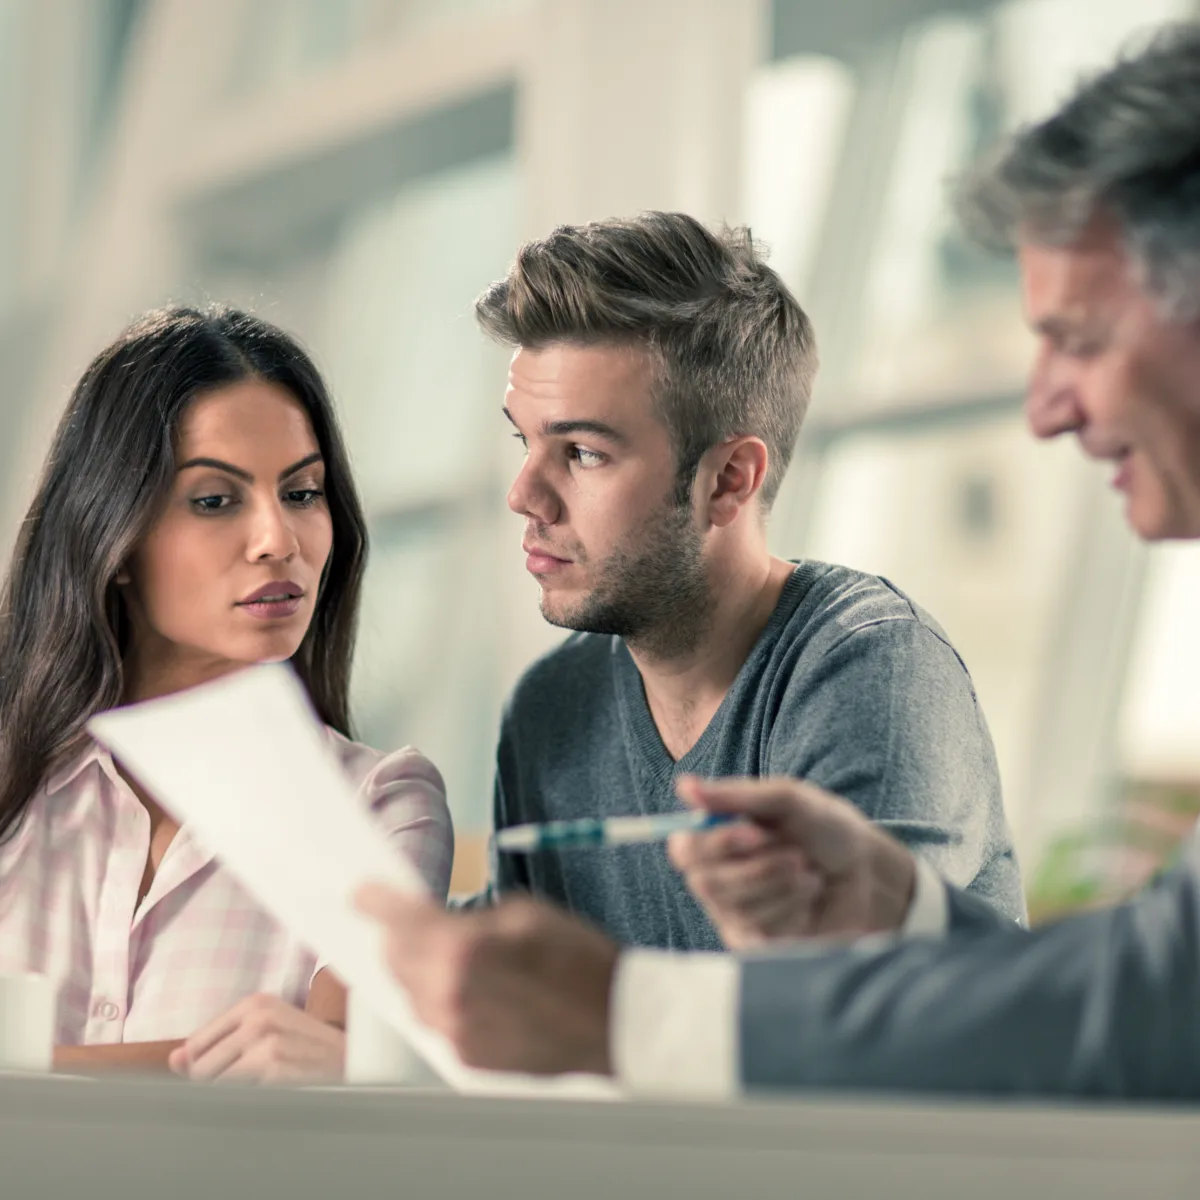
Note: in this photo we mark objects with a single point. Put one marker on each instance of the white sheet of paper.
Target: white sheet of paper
(245, 763)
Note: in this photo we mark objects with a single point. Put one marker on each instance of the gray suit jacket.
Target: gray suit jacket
(1103, 1004)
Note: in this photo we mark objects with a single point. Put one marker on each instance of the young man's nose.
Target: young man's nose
(531, 495)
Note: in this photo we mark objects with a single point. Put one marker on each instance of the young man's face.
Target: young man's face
(1114, 372)
(604, 537)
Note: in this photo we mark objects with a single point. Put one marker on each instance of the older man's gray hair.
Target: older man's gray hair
(1126, 145)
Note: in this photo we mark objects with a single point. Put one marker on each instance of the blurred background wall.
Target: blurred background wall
(357, 170)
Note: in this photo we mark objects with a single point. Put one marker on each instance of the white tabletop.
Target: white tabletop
(179, 1141)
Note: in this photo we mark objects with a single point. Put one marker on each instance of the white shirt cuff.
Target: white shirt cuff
(674, 1024)
(675, 1018)
(929, 912)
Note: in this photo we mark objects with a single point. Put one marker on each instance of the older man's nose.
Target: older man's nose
(1053, 403)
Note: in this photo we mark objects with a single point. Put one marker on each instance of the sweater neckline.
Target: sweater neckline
(646, 746)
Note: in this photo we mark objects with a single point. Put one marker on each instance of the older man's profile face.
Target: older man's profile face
(1113, 370)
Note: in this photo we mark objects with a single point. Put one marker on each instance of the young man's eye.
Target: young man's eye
(520, 437)
(585, 457)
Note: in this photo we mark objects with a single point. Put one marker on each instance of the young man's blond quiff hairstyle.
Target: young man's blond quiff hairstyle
(735, 353)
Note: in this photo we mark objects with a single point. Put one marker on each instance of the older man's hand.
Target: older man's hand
(519, 987)
(803, 863)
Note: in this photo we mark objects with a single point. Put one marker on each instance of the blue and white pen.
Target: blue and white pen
(609, 831)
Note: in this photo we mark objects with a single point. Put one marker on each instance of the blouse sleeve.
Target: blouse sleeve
(407, 796)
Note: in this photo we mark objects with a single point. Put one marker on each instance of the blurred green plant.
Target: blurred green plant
(1109, 859)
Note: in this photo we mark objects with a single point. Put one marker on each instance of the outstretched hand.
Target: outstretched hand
(803, 863)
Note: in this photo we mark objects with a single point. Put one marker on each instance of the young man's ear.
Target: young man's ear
(741, 469)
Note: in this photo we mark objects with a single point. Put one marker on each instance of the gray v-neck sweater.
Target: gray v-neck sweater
(850, 685)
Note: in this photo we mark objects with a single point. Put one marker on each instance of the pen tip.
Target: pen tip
(517, 838)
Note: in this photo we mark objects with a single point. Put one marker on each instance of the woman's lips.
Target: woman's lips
(274, 601)
(272, 610)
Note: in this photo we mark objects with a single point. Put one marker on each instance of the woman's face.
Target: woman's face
(229, 572)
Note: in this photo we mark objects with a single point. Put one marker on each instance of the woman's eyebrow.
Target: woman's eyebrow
(315, 457)
(219, 465)
(240, 473)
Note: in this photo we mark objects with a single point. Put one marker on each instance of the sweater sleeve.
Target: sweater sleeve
(888, 718)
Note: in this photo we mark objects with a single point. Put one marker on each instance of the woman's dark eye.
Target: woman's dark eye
(304, 497)
(209, 504)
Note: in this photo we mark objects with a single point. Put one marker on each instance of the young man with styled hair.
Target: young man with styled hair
(659, 378)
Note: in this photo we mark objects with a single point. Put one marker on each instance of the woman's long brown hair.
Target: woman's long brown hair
(63, 629)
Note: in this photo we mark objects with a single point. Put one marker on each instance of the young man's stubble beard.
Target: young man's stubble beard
(652, 591)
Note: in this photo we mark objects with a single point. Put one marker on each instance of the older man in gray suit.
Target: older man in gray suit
(1102, 203)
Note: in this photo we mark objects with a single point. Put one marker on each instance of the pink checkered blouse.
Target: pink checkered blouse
(198, 942)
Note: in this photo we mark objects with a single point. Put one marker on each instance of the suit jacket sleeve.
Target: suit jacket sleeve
(1103, 1004)
(968, 914)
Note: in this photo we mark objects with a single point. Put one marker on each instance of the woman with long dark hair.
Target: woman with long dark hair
(196, 514)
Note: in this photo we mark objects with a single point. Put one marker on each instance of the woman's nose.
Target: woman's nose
(272, 536)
